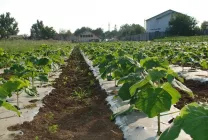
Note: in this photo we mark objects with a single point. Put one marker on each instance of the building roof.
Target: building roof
(163, 14)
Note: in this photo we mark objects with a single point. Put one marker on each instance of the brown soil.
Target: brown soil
(75, 110)
(200, 91)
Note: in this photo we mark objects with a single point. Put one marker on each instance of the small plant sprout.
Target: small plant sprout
(53, 128)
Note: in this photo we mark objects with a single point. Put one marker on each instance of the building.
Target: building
(87, 36)
(159, 23)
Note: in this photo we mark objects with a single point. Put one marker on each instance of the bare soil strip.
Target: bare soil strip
(75, 110)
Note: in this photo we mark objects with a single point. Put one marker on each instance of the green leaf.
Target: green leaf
(153, 101)
(204, 64)
(8, 106)
(3, 93)
(173, 92)
(124, 93)
(139, 84)
(193, 120)
(43, 78)
(157, 73)
(172, 132)
(31, 91)
(14, 85)
(151, 62)
(132, 77)
(43, 61)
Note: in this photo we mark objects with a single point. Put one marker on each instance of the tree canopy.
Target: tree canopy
(132, 29)
(182, 25)
(8, 26)
(204, 26)
(39, 31)
(83, 29)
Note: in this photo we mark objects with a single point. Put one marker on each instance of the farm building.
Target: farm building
(159, 23)
(87, 36)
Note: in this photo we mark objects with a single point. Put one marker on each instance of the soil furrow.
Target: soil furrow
(75, 110)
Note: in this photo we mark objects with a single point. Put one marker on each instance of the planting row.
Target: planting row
(22, 69)
(148, 83)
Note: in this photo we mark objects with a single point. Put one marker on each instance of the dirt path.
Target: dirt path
(75, 110)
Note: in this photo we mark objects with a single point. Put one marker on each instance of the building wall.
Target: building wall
(158, 23)
(87, 37)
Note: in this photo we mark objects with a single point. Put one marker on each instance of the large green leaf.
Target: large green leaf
(14, 85)
(43, 61)
(173, 92)
(124, 93)
(157, 73)
(139, 84)
(204, 63)
(132, 77)
(151, 62)
(8, 106)
(172, 132)
(153, 101)
(193, 120)
(3, 93)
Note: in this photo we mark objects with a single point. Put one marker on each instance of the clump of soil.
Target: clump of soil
(75, 110)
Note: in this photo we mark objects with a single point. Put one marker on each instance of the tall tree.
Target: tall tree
(98, 32)
(39, 31)
(182, 25)
(65, 33)
(204, 26)
(127, 30)
(8, 26)
(83, 29)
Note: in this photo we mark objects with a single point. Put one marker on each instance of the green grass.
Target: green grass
(185, 38)
(25, 45)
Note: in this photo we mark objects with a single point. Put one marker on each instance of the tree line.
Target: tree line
(180, 25)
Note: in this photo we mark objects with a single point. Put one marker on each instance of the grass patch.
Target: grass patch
(26, 45)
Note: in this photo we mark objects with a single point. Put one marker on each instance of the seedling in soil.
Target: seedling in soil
(92, 82)
(50, 116)
(36, 138)
(53, 128)
(80, 94)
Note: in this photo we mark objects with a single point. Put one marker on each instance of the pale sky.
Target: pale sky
(73, 14)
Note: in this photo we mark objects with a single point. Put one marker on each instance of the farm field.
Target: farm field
(154, 89)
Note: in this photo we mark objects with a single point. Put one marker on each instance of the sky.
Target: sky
(73, 14)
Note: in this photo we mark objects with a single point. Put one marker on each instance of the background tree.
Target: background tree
(98, 32)
(65, 33)
(128, 30)
(182, 25)
(8, 26)
(39, 31)
(83, 29)
(204, 26)
(111, 34)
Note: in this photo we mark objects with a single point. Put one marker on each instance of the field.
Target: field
(154, 89)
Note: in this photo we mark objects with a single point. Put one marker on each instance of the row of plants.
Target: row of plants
(22, 69)
(192, 54)
(148, 84)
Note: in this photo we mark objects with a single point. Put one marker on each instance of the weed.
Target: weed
(81, 94)
(53, 128)
(50, 116)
